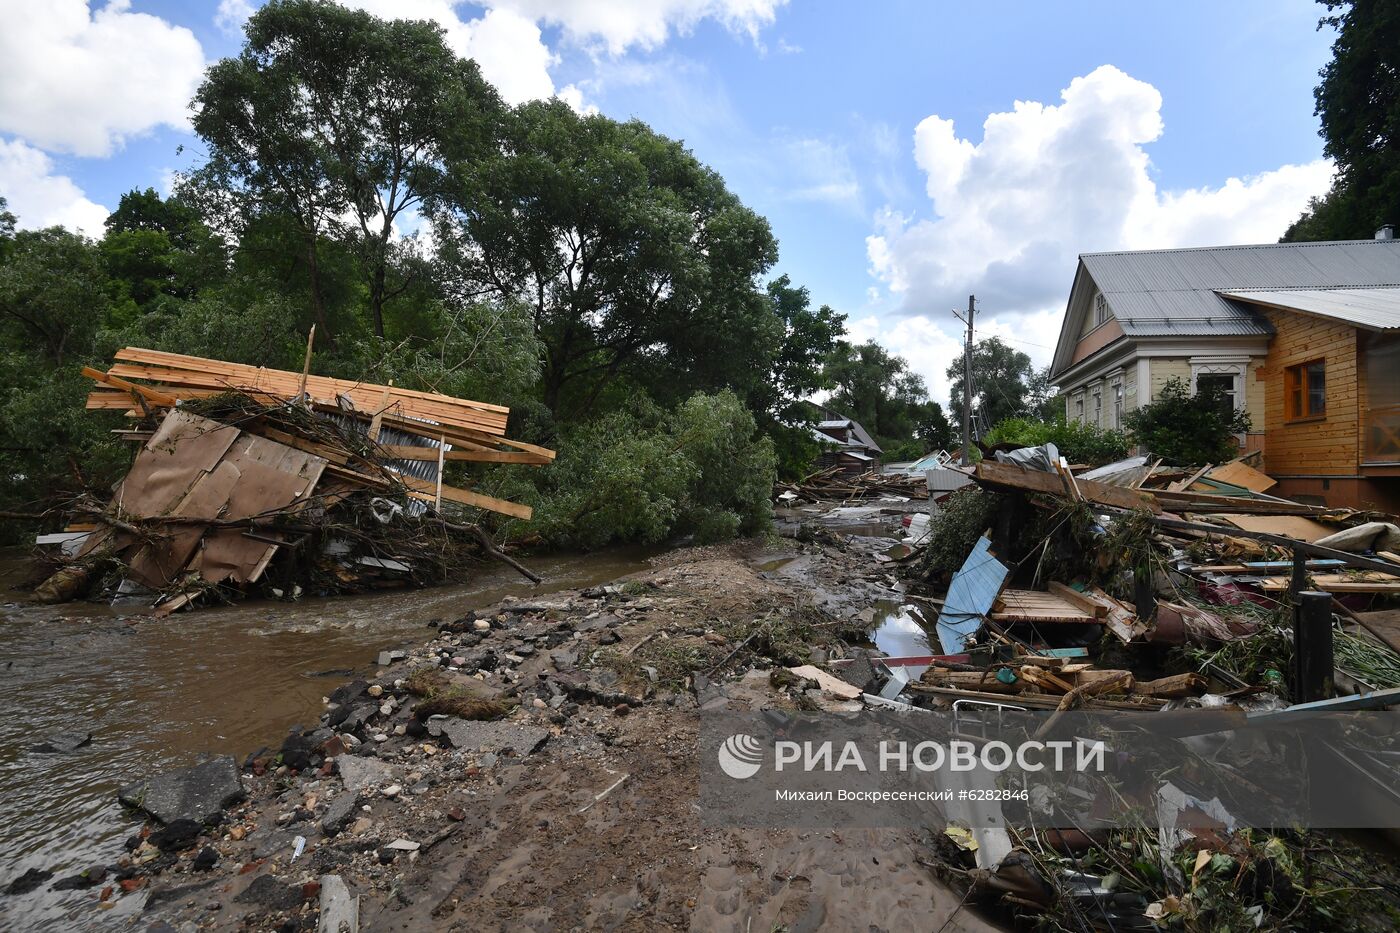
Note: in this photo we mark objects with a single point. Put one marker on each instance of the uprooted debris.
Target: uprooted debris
(248, 476)
(1142, 587)
(832, 484)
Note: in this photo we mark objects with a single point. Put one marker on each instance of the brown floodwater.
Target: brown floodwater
(158, 694)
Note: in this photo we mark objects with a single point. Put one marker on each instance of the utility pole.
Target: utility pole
(967, 379)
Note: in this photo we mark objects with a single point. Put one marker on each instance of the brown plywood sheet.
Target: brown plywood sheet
(1242, 474)
(183, 447)
(1290, 526)
(272, 476)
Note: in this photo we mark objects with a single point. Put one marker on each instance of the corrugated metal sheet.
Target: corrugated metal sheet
(1377, 307)
(970, 597)
(1170, 292)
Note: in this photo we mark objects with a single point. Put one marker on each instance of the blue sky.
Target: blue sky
(1140, 125)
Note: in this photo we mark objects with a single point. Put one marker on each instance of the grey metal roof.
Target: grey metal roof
(1170, 292)
(1377, 307)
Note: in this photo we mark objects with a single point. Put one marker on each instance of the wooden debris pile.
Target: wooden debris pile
(831, 485)
(247, 476)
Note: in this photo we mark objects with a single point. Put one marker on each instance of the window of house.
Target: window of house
(1225, 384)
(1079, 409)
(1098, 409)
(1117, 405)
(1100, 309)
(1305, 390)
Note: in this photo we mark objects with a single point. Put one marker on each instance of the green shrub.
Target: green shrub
(643, 475)
(1188, 430)
(1077, 443)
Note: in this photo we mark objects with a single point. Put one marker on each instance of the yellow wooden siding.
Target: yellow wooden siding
(1254, 395)
(1327, 446)
(1161, 369)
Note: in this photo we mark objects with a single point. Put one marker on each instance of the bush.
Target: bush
(1188, 430)
(1077, 443)
(642, 475)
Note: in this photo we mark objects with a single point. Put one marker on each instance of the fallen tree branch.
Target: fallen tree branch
(490, 548)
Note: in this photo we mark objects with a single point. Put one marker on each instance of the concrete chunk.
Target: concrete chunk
(199, 793)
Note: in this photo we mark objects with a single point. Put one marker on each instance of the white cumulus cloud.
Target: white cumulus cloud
(232, 14)
(1046, 182)
(39, 198)
(79, 79)
(622, 24)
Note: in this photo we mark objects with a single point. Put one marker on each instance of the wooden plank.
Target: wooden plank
(1078, 599)
(1010, 476)
(1186, 483)
(146, 392)
(200, 372)
(1289, 526)
(404, 452)
(1205, 502)
(427, 490)
(201, 364)
(1242, 474)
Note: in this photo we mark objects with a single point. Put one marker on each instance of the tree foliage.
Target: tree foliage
(877, 388)
(329, 113)
(1076, 441)
(1358, 104)
(636, 261)
(640, 474)
(1002, 379)
(1188, 430)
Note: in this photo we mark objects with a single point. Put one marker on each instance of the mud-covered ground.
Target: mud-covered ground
(582, 816)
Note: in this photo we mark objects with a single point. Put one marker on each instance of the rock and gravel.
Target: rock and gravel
(534, 766)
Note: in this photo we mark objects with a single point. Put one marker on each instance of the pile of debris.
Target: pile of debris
(1144, 588)
(248, 476)
(832, 485)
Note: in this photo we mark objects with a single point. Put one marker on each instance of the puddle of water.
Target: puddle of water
(158, 694)
(770, 566)
(899, 630)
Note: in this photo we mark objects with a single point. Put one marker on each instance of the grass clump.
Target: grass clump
(439, 697)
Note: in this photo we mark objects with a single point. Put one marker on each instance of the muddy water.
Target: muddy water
(162, 693)
(899, 630)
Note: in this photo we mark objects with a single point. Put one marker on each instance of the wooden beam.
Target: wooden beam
(427, 491)
(146, 392)
(404, 452)
(1351, 560)
(1010, 476)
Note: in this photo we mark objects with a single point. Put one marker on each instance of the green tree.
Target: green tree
(1188, 430)
(877, 388)
(157, 248)
(1358, 103)
(329, 112)
(635, 259)
(53, 306)
(1001, 377)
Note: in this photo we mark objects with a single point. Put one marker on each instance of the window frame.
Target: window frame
(1298, 392)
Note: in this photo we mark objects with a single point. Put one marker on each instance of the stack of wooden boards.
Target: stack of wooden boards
(441, 428)
(240, 461)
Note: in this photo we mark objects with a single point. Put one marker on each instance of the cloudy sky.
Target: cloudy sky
(908, 154)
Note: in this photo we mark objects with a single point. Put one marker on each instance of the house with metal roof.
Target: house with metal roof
(1304, 337)
(845, 443)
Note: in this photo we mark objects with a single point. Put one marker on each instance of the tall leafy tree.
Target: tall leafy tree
(157, 248)
(340, 121)
(1001, 379)
(635, 260)
(808, 337)
(1358, 104)
(877, 388)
